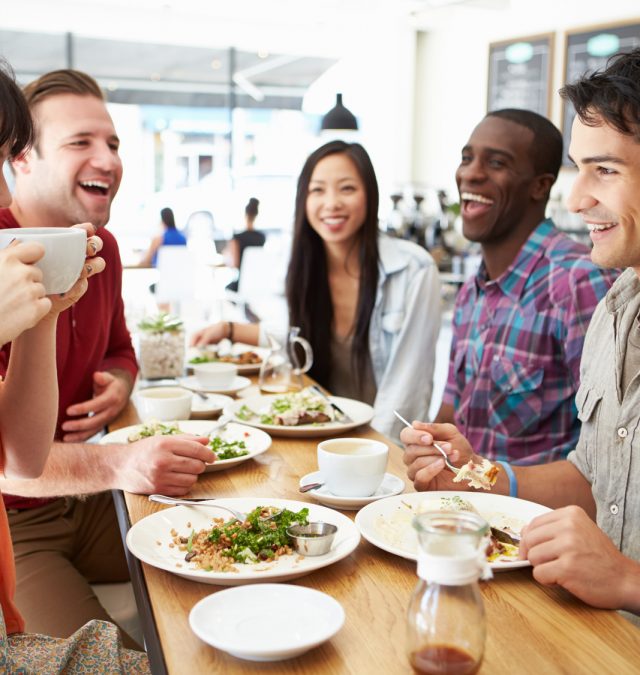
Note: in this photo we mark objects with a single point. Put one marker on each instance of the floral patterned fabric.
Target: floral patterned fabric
(95, 649)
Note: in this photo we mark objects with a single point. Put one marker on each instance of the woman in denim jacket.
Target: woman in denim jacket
(368, 304)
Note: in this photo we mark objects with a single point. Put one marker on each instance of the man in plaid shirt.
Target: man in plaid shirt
(519, 324)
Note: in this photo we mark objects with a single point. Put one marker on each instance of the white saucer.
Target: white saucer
(213, 404)
(391, 485)
(266, 622)
(191, 382)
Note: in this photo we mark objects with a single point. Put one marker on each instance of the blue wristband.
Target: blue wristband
(513, 481)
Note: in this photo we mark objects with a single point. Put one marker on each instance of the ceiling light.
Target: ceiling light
(216, 64)
(339, 117)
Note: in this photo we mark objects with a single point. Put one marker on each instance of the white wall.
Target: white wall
(451, 72)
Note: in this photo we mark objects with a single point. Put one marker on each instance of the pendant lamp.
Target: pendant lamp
(339, 117)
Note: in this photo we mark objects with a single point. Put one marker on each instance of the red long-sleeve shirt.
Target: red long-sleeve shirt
(91, 336)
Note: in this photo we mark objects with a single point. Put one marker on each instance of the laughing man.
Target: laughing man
(519, 324)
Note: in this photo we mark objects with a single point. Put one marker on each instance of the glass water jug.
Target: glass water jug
(281, 371)
(446, 620)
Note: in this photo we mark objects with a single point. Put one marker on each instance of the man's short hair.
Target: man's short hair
(57, 82)
(612, 95)
(546, 148)
(64, 81)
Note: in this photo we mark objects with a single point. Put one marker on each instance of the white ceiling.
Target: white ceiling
(319, 27)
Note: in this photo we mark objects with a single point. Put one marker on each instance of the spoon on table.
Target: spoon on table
(435, 445)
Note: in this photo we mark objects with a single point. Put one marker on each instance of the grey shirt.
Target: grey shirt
(608, 452)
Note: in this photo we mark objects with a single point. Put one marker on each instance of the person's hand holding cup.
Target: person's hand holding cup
(69, 259)
(352, 467)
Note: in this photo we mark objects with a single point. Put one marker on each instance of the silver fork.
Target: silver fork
(205, 501)
(435, 445)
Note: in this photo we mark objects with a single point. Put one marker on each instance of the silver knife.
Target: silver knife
(343, 417)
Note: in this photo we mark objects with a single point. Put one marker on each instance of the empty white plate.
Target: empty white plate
(391, 485)
(266, 622)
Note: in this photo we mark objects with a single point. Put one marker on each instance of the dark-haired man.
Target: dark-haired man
(71, 174)
(519, 324)
(599, 563)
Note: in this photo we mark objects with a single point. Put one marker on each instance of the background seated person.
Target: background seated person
(170, 236)
(234, 250)
(368, 304)
(519, 323)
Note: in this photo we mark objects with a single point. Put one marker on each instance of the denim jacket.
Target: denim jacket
(403, 333)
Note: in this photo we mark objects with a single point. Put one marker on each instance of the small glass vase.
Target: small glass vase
(162, 347)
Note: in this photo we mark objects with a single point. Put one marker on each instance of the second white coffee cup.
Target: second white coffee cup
(352, 467)
(164, 403)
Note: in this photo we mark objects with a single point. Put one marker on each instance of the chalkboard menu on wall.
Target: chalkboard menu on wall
(589, 50)
(520, 74)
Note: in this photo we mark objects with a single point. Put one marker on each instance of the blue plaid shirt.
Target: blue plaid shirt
(517, 343)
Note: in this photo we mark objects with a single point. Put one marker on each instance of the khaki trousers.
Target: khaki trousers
(60, 549)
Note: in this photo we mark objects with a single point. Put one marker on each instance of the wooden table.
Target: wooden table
(530, 628)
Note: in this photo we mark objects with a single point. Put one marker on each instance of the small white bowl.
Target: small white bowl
(266, 622)
(215, 374)
(164, 403)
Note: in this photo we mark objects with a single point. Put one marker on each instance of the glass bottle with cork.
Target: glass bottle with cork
(446, 620)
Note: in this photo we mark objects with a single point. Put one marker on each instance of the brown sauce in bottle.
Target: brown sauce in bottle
(443, 659)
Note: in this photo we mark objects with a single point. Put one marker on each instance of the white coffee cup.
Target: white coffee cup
(65, 249)
(215, 374)
(352, 467)
(164, 403)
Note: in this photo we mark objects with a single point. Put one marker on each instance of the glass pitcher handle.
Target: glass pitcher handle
(308, 355)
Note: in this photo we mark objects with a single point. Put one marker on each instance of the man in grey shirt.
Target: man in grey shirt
(600, 481)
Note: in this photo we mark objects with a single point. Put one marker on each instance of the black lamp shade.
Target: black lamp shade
(339, 117)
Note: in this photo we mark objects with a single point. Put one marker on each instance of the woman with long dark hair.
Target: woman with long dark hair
(368, 304)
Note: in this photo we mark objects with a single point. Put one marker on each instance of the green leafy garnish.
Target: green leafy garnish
(190, 541)
(245, 413)
(202, 359)
(154, 429)
(228, 449)
(258, 539)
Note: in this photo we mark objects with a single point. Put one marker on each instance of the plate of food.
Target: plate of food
(247, 358)
(234, 444)
(387, 523)
(209, 545)
(301, 414)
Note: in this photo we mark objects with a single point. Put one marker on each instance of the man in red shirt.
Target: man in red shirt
(61, 543)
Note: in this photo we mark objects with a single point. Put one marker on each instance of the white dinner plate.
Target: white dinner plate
(150, 537)
(266, 622)
(192, 382)
(387, 523)
(391, 485)
(256, 440)
(360, 413)
(211, 405)
(238, 348)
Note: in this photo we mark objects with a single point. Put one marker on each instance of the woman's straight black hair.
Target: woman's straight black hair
(16, 127)
(308, 293)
